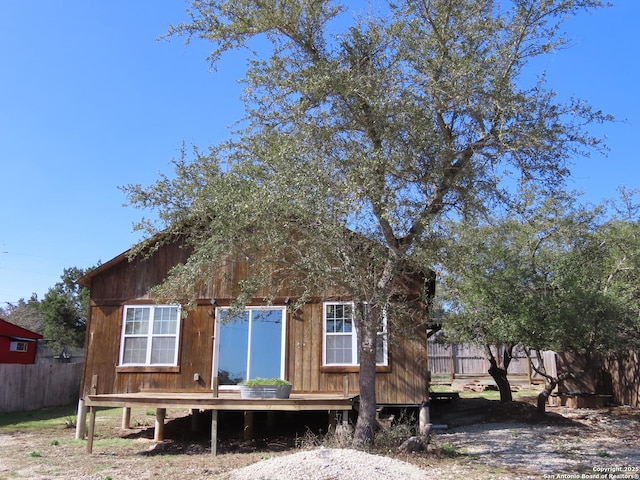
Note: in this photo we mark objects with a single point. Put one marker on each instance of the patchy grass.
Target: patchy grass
(523, 394)
(44, 419)
(49, 419)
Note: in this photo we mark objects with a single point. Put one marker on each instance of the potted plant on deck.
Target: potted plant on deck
(265, 388)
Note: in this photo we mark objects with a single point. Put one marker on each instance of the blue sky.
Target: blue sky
(90, 101)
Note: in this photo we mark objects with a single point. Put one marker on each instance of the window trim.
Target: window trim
(354, 366)
(148, 366)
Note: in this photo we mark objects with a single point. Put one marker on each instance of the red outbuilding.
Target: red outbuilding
(17, 344)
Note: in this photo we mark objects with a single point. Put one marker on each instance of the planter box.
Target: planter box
(265, 391)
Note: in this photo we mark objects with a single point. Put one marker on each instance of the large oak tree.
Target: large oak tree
(381, 121)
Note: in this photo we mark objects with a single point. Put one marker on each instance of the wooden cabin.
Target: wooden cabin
(134, 344)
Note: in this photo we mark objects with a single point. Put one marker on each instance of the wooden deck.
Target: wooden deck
(224, 401)
(332, 403)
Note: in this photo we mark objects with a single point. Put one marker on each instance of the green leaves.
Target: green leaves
(552, 277)
(64, 309)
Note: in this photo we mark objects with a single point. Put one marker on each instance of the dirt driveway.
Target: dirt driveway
(484, 439)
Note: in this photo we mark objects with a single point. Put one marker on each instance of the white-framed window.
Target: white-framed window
(150, 335)
(18, 346)
(340, 346)
(250, 344)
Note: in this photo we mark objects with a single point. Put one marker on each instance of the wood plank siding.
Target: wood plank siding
(122, 282)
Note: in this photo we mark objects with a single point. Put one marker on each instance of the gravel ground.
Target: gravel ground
(568, 444)
(330, 464)
(591, 442)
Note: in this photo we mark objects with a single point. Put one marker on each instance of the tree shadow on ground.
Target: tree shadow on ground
(470, 411)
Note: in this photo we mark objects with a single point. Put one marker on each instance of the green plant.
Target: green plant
(35, 454)
(394, 431)
(449, 450)
(150, 412)
(255, 382)
(54, 442)
(70, 422)
(142, 422)
(603, 454)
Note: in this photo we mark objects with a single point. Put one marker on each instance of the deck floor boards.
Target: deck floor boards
(224, 401)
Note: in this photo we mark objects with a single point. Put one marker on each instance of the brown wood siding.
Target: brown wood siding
(102, 348)
(195, 355)
(124, 282)
(405, 383)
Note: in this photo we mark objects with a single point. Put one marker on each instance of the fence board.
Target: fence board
(31, 387)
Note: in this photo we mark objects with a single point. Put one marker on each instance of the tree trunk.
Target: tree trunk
(499, 374)
(549, 384)
(366, 424)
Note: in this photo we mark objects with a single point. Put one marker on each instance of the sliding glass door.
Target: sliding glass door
(249, 344)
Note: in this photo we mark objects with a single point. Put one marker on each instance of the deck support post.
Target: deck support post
(424, 418)
(92, 428)
(248, 425)
(333, 420)
(271, 420)
(158, 434)
(195, 419)
(81, 420)
(214, 432)
(214, 417)
(345, 417)
(126, 418)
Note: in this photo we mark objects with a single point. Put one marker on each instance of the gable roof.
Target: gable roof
(85, 280)
(16, 332)
(409, 282)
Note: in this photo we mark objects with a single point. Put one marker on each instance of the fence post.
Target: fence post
(452, 359)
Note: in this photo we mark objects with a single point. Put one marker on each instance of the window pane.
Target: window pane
(380, 344)
(339, 349)
(137, 321)
(331, 309)
(347, 325)
(339, 318)
(266, 344)
(135, 350)
(165, 320)
(233, 350)
(163, 350)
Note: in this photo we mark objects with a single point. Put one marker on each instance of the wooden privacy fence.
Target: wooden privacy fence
(463, 360)
(31, 387)
(624, 369)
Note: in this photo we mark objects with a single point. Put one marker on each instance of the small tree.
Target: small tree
(382, 124)
(26, 314)
(548, 277)
(64, 309)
